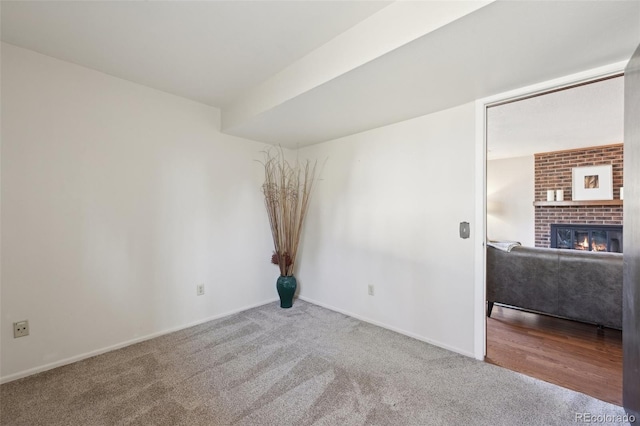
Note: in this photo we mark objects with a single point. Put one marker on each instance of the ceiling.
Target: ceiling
(210, 52)
(583, 116)
(302, 72)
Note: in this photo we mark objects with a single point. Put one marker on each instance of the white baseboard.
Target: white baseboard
(76, 358)
(86, 355)
(389, 327)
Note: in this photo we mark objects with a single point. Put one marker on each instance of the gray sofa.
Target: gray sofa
(573, 284)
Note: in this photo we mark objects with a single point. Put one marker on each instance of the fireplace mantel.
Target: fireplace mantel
(578, 203)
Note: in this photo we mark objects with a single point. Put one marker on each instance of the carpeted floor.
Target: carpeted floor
(302, 366)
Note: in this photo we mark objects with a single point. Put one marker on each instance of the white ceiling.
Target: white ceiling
(582, 116)
(208, 51)
(232, 54)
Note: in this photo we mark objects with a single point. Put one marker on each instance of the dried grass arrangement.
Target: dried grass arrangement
(287, 189)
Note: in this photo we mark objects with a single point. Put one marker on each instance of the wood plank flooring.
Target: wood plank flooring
(567, 353)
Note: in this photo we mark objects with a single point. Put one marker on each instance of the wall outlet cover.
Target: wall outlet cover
(200, 289)
(20, 329)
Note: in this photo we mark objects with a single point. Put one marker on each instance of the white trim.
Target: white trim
(558, 83)
(479, 294)
(389, 327)
(481, 192)
(86, 355)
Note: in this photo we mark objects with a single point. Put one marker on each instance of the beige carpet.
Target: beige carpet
(301, 366)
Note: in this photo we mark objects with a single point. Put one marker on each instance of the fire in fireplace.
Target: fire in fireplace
(587, 237)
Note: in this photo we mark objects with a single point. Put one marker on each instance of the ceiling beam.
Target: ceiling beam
(392, 27)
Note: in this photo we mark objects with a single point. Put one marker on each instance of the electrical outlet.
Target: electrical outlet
(200, 289)
(20, 329)
(371, 290)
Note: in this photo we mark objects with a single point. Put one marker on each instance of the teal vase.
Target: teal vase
(286, 287)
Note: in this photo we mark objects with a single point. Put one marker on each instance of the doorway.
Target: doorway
(580, 122)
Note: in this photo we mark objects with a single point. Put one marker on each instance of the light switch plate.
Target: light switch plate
(464, 230)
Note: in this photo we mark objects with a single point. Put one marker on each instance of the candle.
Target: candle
(559, 195)
(550, 195)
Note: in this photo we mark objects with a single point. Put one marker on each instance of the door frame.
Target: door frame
(480, 234)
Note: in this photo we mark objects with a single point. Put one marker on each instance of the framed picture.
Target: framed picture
(592, 183)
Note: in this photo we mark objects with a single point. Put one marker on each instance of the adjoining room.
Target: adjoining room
(569, 303)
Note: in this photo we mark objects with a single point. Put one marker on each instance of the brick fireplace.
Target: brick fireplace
(553, 171)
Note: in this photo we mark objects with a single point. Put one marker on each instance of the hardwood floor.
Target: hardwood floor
(568, 353)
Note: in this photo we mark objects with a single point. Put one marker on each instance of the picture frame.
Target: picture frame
(592, 183)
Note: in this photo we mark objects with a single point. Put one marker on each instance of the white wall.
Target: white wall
(510, 195)
(116, 201)
(386, 213)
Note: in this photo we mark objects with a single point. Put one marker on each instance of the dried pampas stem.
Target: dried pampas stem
(287, 190)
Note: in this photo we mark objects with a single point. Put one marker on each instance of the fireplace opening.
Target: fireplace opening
(587, 237)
